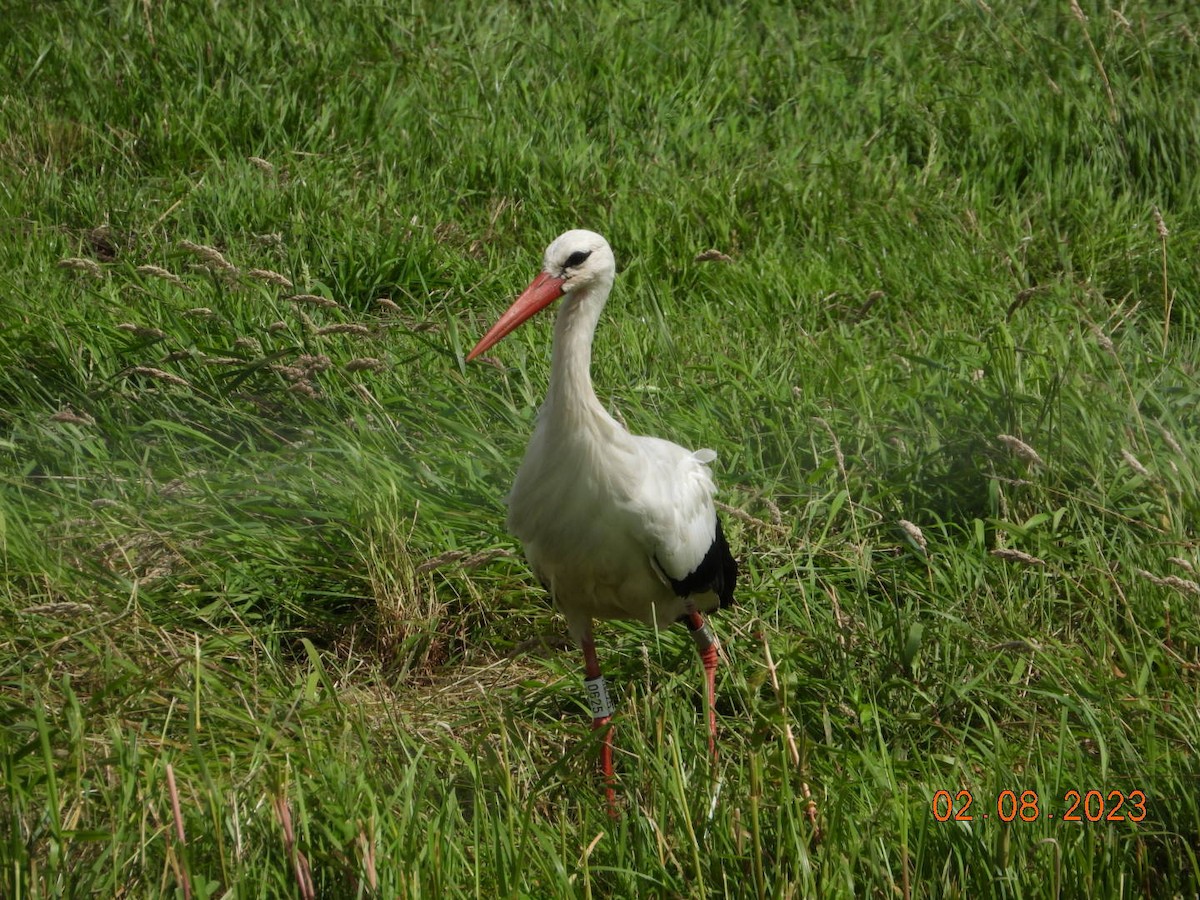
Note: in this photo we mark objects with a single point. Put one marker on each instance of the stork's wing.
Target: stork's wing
(677, 520)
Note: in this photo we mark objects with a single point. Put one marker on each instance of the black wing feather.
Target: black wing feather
(717, 572)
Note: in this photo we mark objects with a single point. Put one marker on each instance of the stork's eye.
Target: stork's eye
(576, 258)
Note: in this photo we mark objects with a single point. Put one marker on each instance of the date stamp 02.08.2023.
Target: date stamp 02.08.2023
(1028, 806)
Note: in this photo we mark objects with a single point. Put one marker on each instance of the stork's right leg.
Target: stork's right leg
(602, 711)
(708, 648)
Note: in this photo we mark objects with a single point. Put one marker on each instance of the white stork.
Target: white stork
(615, 525)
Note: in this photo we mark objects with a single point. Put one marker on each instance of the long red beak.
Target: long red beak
(542, 291)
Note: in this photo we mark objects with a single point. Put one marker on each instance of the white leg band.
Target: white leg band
(599, 702)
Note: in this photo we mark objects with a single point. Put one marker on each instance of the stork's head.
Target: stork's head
(579, 258)
(574, 261)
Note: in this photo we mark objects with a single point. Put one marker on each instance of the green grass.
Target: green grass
(224, 551)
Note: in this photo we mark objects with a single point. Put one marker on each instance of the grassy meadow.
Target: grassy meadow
(262, 632)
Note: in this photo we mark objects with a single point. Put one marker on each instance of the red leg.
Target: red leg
(708, 647)
(602, 711)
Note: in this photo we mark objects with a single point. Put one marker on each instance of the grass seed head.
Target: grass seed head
(387, 303)
(915, 533)
(1170, 440)
(1011, 555)
(271, 278)
(158, 375)
(1172, 581)
(142, 331)
(774, 510)
(271, 239)
(69, 416)
(365, 363)
(713, 256)
(416, 326)
(291, 373)
(1133, 463)
(259, 163)
(210, 255)
(159, 272)
(248, 343)
(1021, 449)
(1163, 231)
(276, 326)
(1103, 340)
(312, 300)
(199, 312)
(314, 362)
(305, 388)
(346, 328)
(86, 266)
(464, 558)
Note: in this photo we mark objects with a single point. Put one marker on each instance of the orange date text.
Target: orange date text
(1028, 806)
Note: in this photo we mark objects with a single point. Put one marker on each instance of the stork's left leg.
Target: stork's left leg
(602, 712)
(708, 647)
